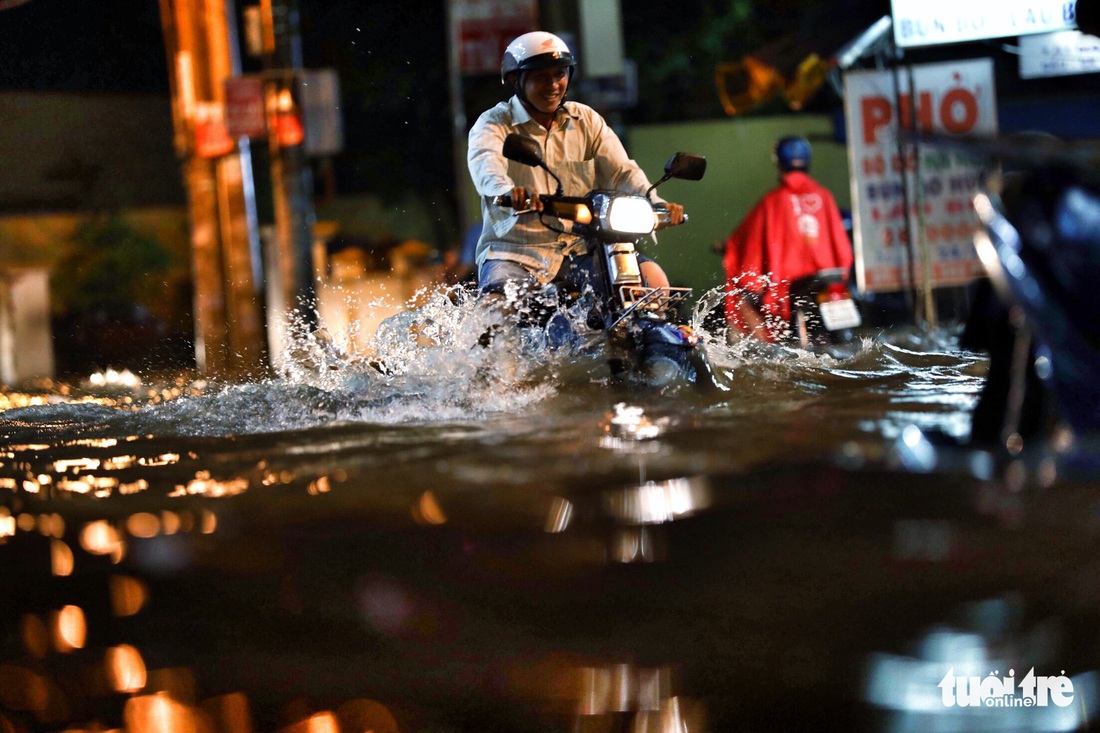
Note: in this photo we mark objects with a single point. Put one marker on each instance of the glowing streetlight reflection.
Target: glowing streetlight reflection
(70, 630)
(316, 723)
(143, 525)
(365, 716)
(128, 595)
(100, 538)
(656, 502)
(428, 509)
(7, 523)
(125, 669)
(561, 513)
(159, 713)
(36, 637)
(61, 559)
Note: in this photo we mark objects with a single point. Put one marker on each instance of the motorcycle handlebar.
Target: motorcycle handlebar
(506, 201)
(548, 202)
(663, 216)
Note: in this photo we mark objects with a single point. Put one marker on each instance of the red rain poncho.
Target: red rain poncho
(794, 231)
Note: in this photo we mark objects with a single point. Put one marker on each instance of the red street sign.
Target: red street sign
(244, 106)
(482, 43)
(482, 29)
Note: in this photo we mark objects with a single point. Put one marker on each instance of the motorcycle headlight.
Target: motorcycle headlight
(629, 215)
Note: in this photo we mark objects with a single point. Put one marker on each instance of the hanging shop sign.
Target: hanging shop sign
(932, 22)
(482, 29)
(244, 106)
(319, 93)
(1059, 54)
(912, 202)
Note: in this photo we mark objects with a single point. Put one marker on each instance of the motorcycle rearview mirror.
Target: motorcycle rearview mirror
(524, 150)
(684, 166)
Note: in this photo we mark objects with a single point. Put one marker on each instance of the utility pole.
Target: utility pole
(290, 288)
(202, 53)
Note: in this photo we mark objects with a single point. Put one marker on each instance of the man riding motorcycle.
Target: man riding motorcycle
(576, 143)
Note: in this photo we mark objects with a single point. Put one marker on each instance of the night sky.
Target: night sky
(82, 45)
(117, 45)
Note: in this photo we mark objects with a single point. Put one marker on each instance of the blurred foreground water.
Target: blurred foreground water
(445, 537)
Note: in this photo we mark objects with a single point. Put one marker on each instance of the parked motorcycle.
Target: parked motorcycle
(823, 311)
(646, 340)
(1040, 245)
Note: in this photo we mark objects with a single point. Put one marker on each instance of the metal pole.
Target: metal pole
(458, 121)
(928, 312)
(291, 293)
(910, 292)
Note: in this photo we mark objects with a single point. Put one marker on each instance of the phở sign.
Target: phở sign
(912, 208)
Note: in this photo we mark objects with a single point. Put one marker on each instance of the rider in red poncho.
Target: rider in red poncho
(794, 231)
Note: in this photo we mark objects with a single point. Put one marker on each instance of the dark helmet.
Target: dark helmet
(536, 50)
(792, 153)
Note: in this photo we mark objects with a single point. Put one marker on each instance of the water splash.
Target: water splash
(450, 359)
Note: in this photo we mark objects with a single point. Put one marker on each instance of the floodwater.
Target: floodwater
(481, 539)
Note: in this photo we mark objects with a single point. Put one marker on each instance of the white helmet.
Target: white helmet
(536, 50)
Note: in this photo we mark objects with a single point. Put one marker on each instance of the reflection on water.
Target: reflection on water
(441, 536)
(991, 680)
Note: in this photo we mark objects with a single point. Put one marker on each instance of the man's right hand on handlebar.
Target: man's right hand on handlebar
(525, 199)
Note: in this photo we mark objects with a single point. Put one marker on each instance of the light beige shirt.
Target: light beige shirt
(581, 149)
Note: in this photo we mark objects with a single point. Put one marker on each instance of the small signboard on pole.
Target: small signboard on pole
(244, 106)
(1059, 54)
(319, 100)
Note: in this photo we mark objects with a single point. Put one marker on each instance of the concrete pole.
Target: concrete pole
(228, 320)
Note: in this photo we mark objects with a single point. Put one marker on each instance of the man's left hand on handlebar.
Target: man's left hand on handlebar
(673, 217)
(675, 214)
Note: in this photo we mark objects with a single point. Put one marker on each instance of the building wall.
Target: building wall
(66, 152)
(739, 171)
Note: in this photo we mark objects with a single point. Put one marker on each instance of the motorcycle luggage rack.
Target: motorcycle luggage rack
(654, 299)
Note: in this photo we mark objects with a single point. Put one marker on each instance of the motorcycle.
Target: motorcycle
(646, 341)
(823, 311)
(1040, 245)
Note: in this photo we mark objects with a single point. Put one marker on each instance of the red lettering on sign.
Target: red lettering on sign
(955, 100)
(877, 113)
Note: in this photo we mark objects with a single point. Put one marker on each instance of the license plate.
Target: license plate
(837, 315)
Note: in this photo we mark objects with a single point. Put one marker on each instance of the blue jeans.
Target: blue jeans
(576, 272)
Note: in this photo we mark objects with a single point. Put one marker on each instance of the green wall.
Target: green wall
(739, 171)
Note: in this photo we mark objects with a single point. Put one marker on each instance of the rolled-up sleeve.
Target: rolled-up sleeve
(488, 168)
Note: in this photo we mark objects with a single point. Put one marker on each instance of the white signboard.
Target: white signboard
(891, 207)
(930, 22)
(1059, 54)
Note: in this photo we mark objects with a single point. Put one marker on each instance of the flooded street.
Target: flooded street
(430, 367)
(453, 538)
